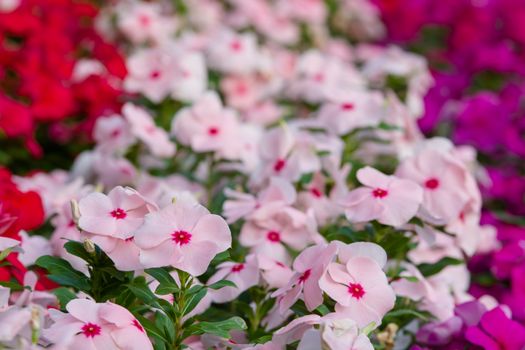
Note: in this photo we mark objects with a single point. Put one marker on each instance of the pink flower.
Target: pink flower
(230, 52)
(183, 235)
(274, 272)
(117, 214)
(113, 134)
(90, 325)
(208, 127)
(309, 266)
(152, 73)
(360, 288)
(445, 182)
(144, 21)
(387, 199)
(335, 332)
(144, 128)
(272, 199)
(343, 113)
(282, 230)
(245, 275)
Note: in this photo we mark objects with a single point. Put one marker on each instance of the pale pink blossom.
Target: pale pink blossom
(360, 289)
(231, 52)
(282, 230)
(144, 128)
(142, 21)
(91, 325)
(113, 134)
(117, 214)
(244, 274)
(276, 196)
(33, 247)
(332, 331)
(183, 235)
(274, 272)
(151, 72)
(345, 112)
(208, 127)
(387, 199)
(308, 267)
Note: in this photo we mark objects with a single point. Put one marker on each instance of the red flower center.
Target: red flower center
(273, 236)
(238, 268)
(356, 290)
(236, 45)
(347, 106)
(319, 77)
(154, 75)
(91, 330)
(119, 213)
(316, 192)
(305, 276)
(144, 20)
(213, 131)
(279, 165)
(379, 193)
(181, 237)
(432, 183)
(138, 326)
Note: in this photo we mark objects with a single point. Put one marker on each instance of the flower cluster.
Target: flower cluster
(55, 71)
(476, 51)
(265, 185)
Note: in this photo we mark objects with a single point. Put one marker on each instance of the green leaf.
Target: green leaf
(194, 300)
(77, 249)
(432, 269)
(142, 291)
(221, 328)
(405, 312)
(167, 284)
(14, 286)
(4, 253)
(64, 296)
(221, 284)
(151, 329)
(61, 272)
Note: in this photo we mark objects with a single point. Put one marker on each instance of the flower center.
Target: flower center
(181, 237)
(379, 193)
(144, 20)
(347, 106)
(213, 131)
(305, 276)
(138, 326)
(319, 77)
(91, 330)
(279, 165)
(356, 290)
(119, 213)
(154, 75)
(316, 192)
(273, 236)
(236, 45)
(238, 268)
(432, 183)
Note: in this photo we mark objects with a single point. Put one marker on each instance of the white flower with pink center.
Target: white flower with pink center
(360, 289)
(144, 128)
(230, 52)
(308, 267)
(445, 181)
(388, 199)
(183, 235)
(117, 214)
(244, 274)
(208, 127)
(91, 325)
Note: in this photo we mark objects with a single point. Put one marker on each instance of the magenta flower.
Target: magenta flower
(496, 331)
(183, 235)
